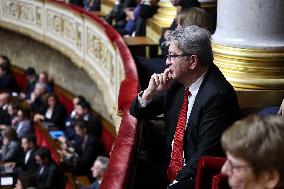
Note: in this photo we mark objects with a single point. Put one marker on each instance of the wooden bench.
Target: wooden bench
(138, 45)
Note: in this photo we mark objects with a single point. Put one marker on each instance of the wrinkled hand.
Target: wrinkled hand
(281, 109)
(157, 84)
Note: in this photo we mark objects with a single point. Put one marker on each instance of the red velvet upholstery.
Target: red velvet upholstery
(44, 140)
(207, 168)
(20, 78)
(220, 181)
(122, 159)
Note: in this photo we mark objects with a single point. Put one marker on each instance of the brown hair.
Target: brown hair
(259, 141)
(193, 16)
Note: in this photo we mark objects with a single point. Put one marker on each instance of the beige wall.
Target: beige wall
(25, 52)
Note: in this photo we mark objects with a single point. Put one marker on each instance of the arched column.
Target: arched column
(248, 44)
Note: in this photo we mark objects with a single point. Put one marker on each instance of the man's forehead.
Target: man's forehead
(173, 47)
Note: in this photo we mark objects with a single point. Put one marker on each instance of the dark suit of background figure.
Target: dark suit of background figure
(31, 164)
(51, 177)
(12, 152)
(5, 118)
(94, 124)
(58, 116)
(26, 128)
(146, 11)
(94, 185)
(215, 108)
(38, 104)
(87, 153)
(8, 82)
(30, 88)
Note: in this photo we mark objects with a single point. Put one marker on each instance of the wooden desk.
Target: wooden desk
(82, 181)
(98, 13)
(138, 45)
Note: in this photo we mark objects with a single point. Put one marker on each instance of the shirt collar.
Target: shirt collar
(194, 87)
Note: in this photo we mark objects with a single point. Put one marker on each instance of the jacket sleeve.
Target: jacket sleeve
(153, 109)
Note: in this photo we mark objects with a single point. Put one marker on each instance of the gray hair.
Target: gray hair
(193, 40)
(104, 162)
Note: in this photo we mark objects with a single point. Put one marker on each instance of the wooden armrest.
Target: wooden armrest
(98, 13)
(82, 181)
(139, 41)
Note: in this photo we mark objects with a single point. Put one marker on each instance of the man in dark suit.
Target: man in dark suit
(49, 175)
(28, 143)
(197, 102)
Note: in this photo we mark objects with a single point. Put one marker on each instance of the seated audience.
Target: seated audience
(5, 60)
(5, 118)
(53, 112)
(98, 169)
(92, 5)
(22, 122)
(44, 78)
(87, 149)
(7, 80)
(26, 180)
(37, 98)
(49, 175)
(11, 149)
(31, 77)
(83, 111)
(136, 17)
(29, 144)
(254, 153)
(69, 130)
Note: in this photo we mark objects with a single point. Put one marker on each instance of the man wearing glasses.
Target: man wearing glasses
(197, 102)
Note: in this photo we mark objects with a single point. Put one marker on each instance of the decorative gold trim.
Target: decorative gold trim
(251, 68)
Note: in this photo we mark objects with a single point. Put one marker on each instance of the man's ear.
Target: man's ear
(271, 179)
(193, 61)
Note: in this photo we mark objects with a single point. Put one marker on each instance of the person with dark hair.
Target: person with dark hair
(83, 111)
(7, 80)
(31, 77)
(87, 149)
(29, 144)
(197, 101)
(254, 153)
(53, 112)
(5, 60)
(26, 180)
(49, 175)
(22, 122)
(69, 130)
(11, 149)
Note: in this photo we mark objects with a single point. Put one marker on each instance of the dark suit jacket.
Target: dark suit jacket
(87, 154)
(58, 116)
(31, 164)
(215, 108)
(8, 82)
(51, 178)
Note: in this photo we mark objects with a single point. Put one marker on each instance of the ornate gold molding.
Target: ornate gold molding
(251, 68)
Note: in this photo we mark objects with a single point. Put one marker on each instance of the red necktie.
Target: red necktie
(176, 162)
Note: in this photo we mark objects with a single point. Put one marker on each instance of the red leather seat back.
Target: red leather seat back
(208, 167)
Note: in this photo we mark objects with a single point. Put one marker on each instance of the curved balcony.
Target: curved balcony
(99, 50)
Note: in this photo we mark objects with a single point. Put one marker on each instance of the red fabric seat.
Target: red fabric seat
(207, 168)
(220, 181)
